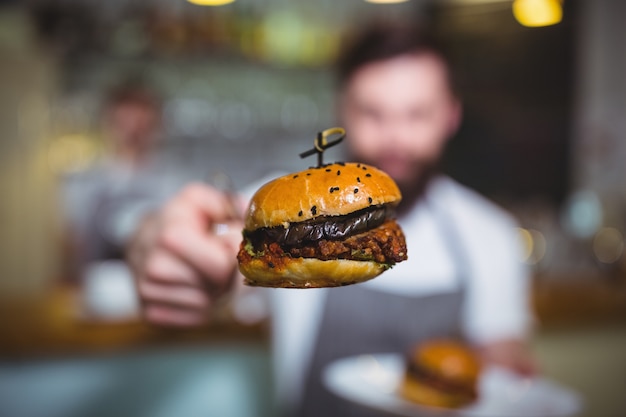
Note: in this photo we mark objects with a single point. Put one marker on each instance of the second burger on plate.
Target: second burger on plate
(441, 373)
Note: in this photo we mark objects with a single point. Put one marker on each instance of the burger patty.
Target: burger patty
(322, 227)
(384, 244)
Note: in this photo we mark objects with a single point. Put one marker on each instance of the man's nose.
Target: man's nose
(397, 132)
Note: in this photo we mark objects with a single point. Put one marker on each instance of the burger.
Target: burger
(327, 226)
(441, 373)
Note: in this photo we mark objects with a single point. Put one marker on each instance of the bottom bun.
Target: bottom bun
(309, 273)
(421, 393)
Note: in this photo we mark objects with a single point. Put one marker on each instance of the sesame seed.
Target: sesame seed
(358, 165)
(356, 190)
(369, 199)
(358, 179)
(328, 169)
(368, 175)
(295, 176)
(300, 213)
(332, 189)
(314, 210)
(308, 173)
(338, 172)
(364, 168)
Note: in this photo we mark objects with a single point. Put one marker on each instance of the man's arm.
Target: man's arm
(511, 353)
(182, 262)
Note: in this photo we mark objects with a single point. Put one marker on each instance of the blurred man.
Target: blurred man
(130, 174)
(463, 278)
(101, 202)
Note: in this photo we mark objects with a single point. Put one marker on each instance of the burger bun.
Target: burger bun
(307, 194)
(309, 273)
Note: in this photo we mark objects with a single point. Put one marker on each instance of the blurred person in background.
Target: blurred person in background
(103, 201)
(463, 278)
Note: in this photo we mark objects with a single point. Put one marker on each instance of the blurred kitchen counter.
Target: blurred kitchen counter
(580, 337)
(589, 359)
(76, 366)
(580, 341)
(55, 325)
(579, 299)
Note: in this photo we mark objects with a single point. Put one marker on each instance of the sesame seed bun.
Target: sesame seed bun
(332, 190)
(356, 195)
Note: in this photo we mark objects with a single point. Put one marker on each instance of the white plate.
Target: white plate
(373, 381)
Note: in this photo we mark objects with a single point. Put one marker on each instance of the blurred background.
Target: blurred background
(234, 92)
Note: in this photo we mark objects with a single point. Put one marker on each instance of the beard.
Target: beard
(411, 176)
(414, 189)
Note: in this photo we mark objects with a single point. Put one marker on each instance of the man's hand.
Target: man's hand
(182, 260)
(512, 354)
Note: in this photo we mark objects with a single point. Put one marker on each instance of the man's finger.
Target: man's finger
(190, 298)
(208, 202)
(171, 316)
(162, 266)
(208, 254)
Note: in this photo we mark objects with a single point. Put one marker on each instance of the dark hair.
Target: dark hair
(381, 42)
(132, 91)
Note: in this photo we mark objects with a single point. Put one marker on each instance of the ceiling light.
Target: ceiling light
(210, 2)
(535, 13)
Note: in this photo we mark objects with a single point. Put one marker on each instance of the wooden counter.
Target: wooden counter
(54, 326)
(579, 300)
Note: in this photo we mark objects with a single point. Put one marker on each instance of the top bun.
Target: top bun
(331, 190)
(448, 360)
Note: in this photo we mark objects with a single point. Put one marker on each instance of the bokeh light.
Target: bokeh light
(210, 2)
(608, 245)
(583, 214)
(534, 245)
(71, 153)
(536, 13)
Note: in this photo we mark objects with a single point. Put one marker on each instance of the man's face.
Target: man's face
(133, 125)
(398, 115)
